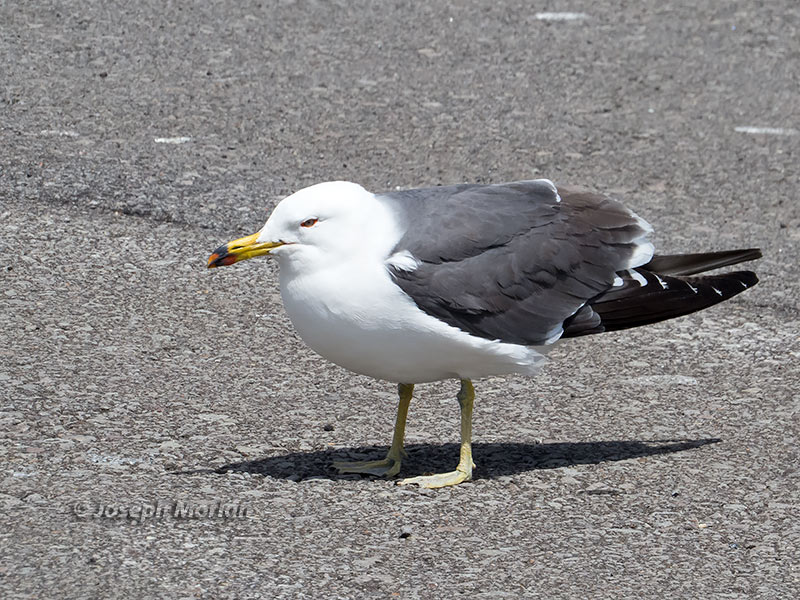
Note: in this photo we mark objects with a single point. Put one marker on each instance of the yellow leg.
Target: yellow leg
(463, 472)
(389, 466)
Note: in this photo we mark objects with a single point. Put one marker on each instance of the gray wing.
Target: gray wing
(513, 261)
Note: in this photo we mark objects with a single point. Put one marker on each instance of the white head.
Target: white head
(324, 223)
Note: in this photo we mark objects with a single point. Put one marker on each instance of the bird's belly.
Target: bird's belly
(370, 326)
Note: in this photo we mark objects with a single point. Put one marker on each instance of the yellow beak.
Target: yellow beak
(241, 249)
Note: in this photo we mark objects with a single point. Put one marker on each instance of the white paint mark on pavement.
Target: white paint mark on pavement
(172, 140)
(767, 130)
(59, 132)
(561, 16)
(663, 380)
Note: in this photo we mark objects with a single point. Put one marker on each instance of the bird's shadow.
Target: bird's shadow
(494, 459)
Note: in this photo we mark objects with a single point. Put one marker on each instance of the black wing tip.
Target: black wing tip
(692, 264)
(747, 278)
(663, 297)
(748, 254)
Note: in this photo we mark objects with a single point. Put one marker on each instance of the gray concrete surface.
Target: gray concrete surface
(660, 463)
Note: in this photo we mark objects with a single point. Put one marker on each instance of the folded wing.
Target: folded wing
(513, 262)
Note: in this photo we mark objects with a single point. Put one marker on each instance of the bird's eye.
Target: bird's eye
(309, 222)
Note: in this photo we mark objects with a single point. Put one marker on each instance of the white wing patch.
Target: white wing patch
(403, 261)
(643, 224)
(552, 186)
(663, 283)
(638, 277)
(644, 250)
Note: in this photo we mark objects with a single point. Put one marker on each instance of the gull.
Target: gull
(468, 281)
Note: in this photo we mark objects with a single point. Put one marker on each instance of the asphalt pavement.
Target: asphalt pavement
(165, 432)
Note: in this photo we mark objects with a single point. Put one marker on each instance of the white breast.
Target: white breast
(355, 316)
